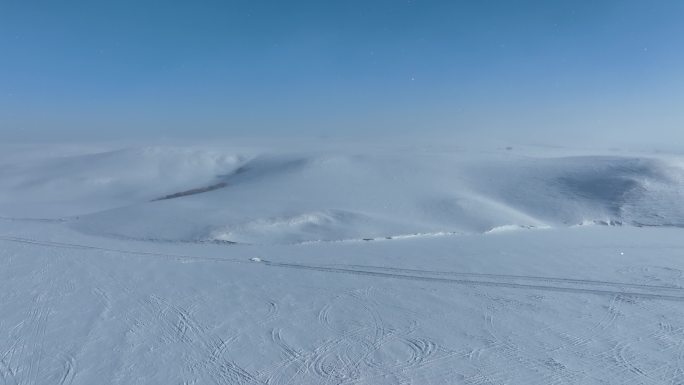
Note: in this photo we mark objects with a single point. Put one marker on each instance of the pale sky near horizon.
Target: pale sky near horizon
(548, 70)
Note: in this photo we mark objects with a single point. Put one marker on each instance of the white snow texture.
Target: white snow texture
(343, 265)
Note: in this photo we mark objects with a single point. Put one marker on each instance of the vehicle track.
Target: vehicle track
(177, 324)
(339, 359)
(580, 286)
(76, 246)
(23, 362)
(418, 351)
(656, 292)
(513, 277)
(7, 374)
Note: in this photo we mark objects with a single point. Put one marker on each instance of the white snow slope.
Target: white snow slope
(197, 265)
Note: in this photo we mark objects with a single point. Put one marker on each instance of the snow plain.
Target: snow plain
(344, 265)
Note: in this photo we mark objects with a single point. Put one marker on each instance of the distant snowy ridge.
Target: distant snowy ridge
(79, 184)
(197, 195)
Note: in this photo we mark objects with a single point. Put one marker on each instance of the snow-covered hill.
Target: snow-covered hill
(191, 194)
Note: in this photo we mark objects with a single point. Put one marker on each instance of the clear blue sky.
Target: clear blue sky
(544, 68)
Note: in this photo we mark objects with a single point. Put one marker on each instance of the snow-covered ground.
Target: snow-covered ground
(348, 264)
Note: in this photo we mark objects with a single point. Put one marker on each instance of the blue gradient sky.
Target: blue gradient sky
(546, 70)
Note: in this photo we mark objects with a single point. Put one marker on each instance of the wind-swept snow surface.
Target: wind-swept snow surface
(373, 266)
(197, 195)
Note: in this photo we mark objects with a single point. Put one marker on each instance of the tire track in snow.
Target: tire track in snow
(178, 325)
(77, 246)
(609, 318)
(69, 370)
(358, 345)
(510, 277)
(503, 349)
(419, 351)
(655, 294)
(669, 338)
(7, 374)
(230, 374)
(365, 351)
(337, 360)
(623, 356)
(622, 362)
(573, 285)
(313, 362)
(24, 361)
